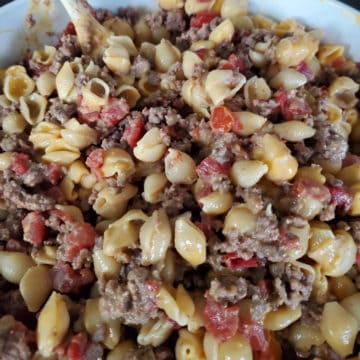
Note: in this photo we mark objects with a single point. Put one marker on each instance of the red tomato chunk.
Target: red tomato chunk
(232, 261)
(201, 18)
(95, 161)
(209, 166)
(134, 131)
(20, 164)
(221, 321)
(34, 228)
(77, 346)
(222, 119)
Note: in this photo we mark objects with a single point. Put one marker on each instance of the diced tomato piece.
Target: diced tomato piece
(265, 287)
(209, 167)
(34, 228)
(20, 164)
(272, 351)
(257, 336)
(234, 63)
(202, 17)
(232, 261)
(340, 196)
(54, 173)
(358, 65)
(70, 29)
(81, 237)
(220, 321)
(338, 62)
(152, 285)
(311, 188)
(95, 161)
(304, 68)
(204, 225)
(222, 119)
(77, 346)
(68, 281)
(114, 111)
(350, 159)
(357, 259)
(202, 53)
(134, 131)
(55, 193)
(292, 108)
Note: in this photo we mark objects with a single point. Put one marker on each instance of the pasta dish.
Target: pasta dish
(182, 184)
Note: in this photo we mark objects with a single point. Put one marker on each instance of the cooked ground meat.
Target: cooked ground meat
(131, 301)
(12, 303)
(94, 352)
(141, 353)
(164, 353)
(252, 196)
(35, 175)
(19, 197)
(302, 152)
(229, 289)
(329, 144)
(177, 197)
(60, 111)
(10, 224)
(140, 67)
(293, 284)
(355, 230)
(263, 242)
(175, 21)
(13, 345)
(15, 142)
(68, 49)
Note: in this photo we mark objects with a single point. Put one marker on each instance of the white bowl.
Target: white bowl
(341, 23)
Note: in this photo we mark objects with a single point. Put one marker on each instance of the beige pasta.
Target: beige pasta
(117, 59)
(67, 186)
(150, 147)
(155, 238)
(250, 122)
(46, 255)
(78, 135)
(73, 211)
(303, 336)
(46, 83)
(147, 50)
(53, 324)
(155, 332)
(288, 79)
(303, 234)
(105, 267)
(171, 4)
(280, 319)
(119, 27)
(236, 348)
(195, 6)
(334, 251)
(111, 204)
(76, 171)
(93, 320)
(234, 8)
(282, 165)
(166, 55)
(95, 94)
(122, 233)
(44, 56)
(342, 91)
(189, 62)
(154, 185)
(180, 168)
(39, 278)
(352, 305)
(355, 205)
(216, 203)
(342, 336)
(65, 81)
(223, 84)
(313, 172)
(13, 123)
(256, 89)
(17, 83)
(190, 241)
(117, 161)
(194, 94)
(329, 52)
(44, 134)
(320, 288)
(247, 173)
(147, 86)
(294, 130)
(189, 346)
(60, 152)
(129, 93)
(13, 265)
(121, 351)
(291, 51)
(33, 108)
(240, 219)
(342, 287)
(142, 31)
(168, 271)
(223, 32)
(6, 160)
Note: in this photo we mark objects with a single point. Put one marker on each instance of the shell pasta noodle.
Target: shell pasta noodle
(182, 184)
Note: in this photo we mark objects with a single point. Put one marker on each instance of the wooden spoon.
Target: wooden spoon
(91, 34)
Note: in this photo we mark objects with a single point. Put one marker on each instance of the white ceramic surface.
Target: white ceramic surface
(340, 23)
